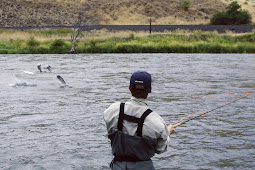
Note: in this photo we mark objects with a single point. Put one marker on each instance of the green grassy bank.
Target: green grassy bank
(181, 41)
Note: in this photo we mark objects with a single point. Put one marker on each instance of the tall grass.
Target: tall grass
(179, 41)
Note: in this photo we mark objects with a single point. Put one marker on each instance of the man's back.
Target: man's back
(136, 133)
(153, 128)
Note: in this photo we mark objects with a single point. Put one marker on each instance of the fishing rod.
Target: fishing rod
(182, 121)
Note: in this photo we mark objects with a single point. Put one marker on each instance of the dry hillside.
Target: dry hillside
(18, 13)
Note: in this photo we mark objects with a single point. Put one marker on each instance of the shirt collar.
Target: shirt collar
(139, 100)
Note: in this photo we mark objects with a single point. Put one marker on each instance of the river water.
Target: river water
(47, 125)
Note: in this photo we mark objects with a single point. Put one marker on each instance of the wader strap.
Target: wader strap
(141, 121)
(121, 115)
(133, 119)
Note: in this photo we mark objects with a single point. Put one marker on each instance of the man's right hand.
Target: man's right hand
(171, 129)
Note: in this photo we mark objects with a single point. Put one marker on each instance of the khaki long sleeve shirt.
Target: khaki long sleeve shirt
(154, 126)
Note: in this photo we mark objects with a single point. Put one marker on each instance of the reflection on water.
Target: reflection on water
(45, 125)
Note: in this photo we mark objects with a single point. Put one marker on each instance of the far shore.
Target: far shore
(57, 41)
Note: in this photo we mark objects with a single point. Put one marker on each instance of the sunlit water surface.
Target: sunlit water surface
(47, 125)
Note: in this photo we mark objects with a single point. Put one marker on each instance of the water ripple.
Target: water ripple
(45, 125)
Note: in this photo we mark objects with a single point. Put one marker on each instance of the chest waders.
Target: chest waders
(131, 148)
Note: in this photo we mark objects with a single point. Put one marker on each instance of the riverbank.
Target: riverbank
(104, 41)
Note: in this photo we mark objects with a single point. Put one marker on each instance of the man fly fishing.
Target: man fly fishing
(135, 131)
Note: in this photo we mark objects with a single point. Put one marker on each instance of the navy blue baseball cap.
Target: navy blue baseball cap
(140, 80)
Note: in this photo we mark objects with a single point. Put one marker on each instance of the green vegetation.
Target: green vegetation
(51, 32)
(185, 5)
(234, 15)
(32, 43)
(180, 41)
(59, 46)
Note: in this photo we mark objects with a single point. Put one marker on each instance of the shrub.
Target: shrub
(147, 8)
(185, 4)
(32, 42)
(58, 43)
(245, 38)
(131, 36)
(58, 47)
(93, 42)
(232, 16)
(3, 51)
(18, 42)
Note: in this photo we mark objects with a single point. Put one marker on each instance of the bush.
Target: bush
(3, 51)
(58, 43)
(246, 38)
(93, 42)
(232, 16)
(32, 42)
(131, 36)
(185, 4)
(18, 43)
(58, 47)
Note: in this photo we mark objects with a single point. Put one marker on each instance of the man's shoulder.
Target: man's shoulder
(155, 119)
(155, 116)
(113, 107)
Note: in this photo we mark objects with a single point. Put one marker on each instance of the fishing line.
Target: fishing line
(220, 95)
(182, 121)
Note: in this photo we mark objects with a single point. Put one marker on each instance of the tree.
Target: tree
(233, 7)
(76, 32)
(233, 15)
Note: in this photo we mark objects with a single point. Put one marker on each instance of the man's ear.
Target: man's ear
(129, 88)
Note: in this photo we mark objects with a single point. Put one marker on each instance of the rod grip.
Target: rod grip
(177, 124)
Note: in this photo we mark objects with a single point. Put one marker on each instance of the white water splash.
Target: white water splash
(29, 72)
(21, 83)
